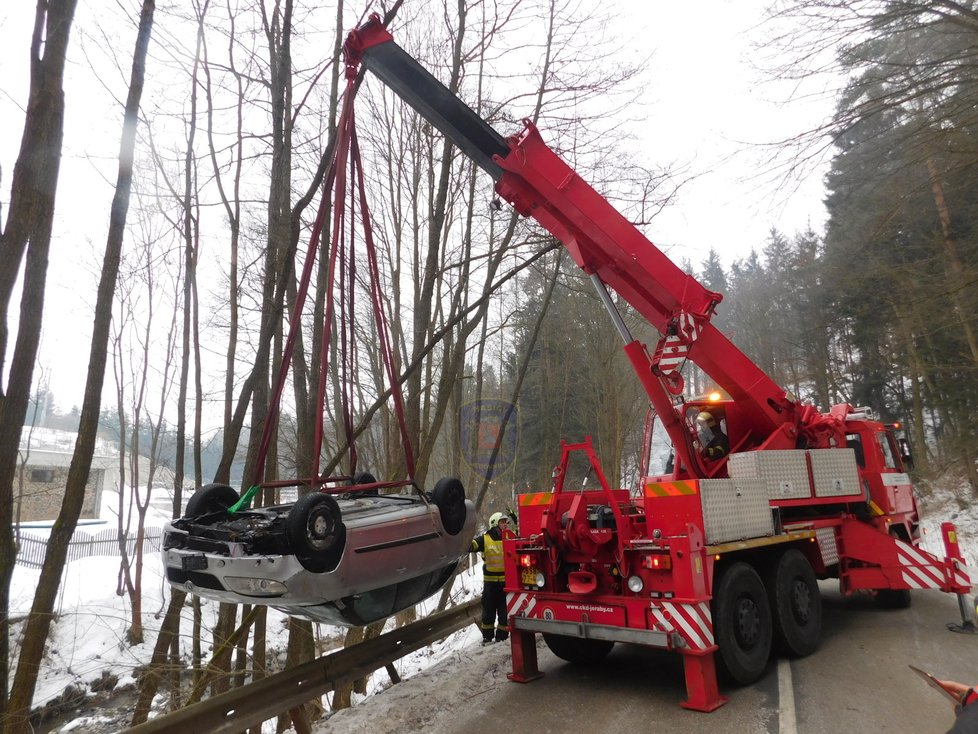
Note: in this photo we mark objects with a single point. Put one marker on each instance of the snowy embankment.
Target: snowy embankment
(88, 644)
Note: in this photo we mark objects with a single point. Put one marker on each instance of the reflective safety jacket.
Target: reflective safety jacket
(490, 545)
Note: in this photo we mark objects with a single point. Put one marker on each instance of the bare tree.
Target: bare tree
(28, 229)
(39, 621)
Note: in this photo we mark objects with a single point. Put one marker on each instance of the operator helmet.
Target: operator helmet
(494, 519)
(707, 418)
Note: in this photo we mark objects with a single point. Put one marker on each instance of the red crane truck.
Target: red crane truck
(717, 560)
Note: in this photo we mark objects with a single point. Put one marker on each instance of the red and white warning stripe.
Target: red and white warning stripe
(919, 568)
(693, 622)
(959, 573)
(689, 326)
(675, 348)
(520, 603)
(674, 353)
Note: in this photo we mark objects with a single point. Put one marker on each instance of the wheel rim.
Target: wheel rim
(748, 626)
(801, 601)
(319, 528)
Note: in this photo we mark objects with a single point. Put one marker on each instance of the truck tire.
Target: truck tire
(796, 604)
(211, 498)
(578, 650)
(742, 623)
(316, 532)
(893, 598)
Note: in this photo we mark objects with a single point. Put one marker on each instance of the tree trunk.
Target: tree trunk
(29, 222)
(39, 622)
(952, 261)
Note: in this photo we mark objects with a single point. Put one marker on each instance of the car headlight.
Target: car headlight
(635, 584)
(254, 587)
(540, 580)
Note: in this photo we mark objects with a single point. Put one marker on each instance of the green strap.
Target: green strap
(245, 502)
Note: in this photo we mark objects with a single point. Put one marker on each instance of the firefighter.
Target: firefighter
(490, 545)
(967, 711)
(713, 442)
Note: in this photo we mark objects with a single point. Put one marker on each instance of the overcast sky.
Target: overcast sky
(719, 115)
(706, 109)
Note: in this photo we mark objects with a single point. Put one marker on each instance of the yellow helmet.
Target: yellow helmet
(494, 519)
(707, 418)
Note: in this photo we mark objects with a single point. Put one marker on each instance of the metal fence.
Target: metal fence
(83, 545)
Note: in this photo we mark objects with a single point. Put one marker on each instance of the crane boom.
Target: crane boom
(605, 245)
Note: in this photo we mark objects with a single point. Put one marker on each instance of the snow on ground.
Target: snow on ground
(88, 638)
(950, 501)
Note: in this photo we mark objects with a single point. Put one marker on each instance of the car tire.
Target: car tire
(578, 650)
(449, 497)
(363, 477)
(742, 623)
(316, 532)
(796, 604)
(211, 498)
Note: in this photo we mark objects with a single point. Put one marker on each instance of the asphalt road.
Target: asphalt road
(857, 681)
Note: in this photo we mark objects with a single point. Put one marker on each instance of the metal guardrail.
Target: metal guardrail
(250, 705)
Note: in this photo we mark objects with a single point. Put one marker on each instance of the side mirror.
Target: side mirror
(905, 456)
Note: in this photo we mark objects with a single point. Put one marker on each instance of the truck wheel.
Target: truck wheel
(211, 498)
(316, 532)
(578, 650)
(742, 622)
(796, 604)
(449, 497)
(893, 598)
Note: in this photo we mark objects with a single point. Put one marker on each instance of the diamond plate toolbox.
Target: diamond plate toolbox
(784, 472)
(834, 472)
(735, 509)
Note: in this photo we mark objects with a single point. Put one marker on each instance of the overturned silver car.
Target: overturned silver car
(348, 559)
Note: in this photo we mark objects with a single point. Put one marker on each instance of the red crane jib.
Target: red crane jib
(603, 243)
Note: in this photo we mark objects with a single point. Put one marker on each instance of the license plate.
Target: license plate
(193, 563)
(528, 577)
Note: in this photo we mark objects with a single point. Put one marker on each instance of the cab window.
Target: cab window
(854, 442)
(889, 459)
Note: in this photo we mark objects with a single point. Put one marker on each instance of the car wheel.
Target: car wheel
(796, 604)
(578, 650)
(316, 532)
(449, 496)
(211, 498)
(742, 622)
(363, 477)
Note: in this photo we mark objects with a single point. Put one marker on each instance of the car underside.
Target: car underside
(350, 558)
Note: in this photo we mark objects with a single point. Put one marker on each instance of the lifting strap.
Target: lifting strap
(348, 200)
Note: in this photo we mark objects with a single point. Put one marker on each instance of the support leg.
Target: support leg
(702, 693)
(524, 652)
